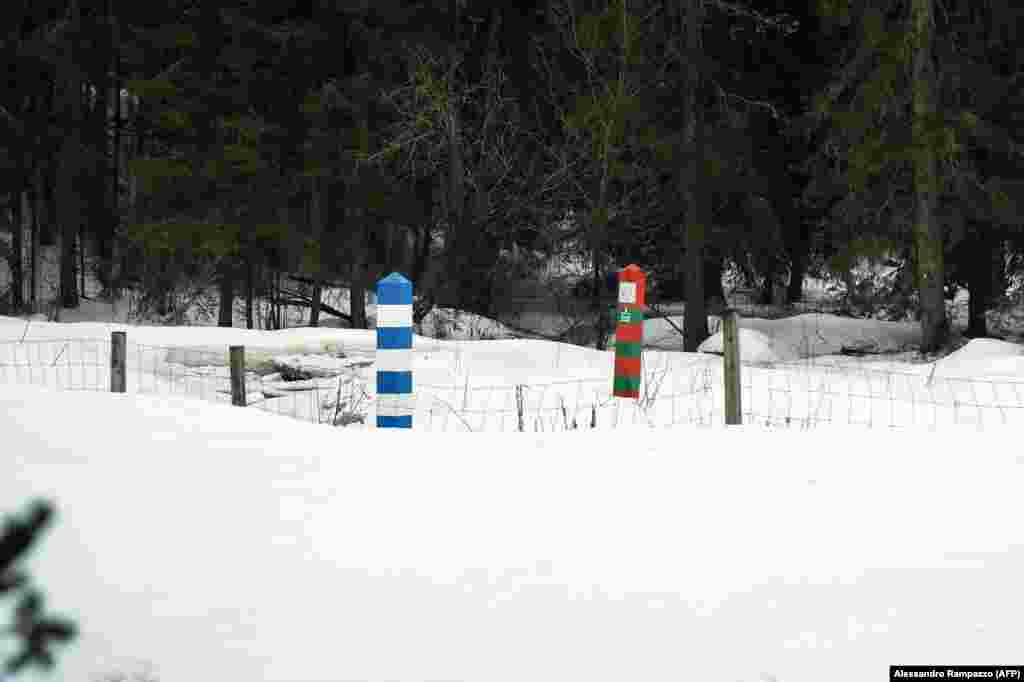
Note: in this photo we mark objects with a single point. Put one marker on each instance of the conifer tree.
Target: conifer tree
(903, 141)
(33, 631)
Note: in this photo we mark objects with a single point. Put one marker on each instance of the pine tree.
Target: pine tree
(35, 633)
(210, 184)
(903, 140)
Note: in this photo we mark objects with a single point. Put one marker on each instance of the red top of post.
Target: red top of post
(634, 275)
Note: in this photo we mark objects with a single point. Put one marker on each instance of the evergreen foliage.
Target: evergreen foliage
(337, 141)
(34, 632)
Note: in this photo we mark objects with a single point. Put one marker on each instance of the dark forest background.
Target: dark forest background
(271, 149)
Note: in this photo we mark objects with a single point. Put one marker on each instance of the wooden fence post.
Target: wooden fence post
(118, 357)
(237, 354)
(731, 360)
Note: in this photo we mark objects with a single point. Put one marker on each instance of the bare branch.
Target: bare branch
(725, 95)
(780, 22)
(848, 76)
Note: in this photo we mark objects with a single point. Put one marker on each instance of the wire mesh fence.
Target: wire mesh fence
(337, 389)
(806, 396)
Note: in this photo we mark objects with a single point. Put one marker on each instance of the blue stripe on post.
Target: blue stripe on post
(394, 422)
(394, 290)
(394, 382)
(394, 338)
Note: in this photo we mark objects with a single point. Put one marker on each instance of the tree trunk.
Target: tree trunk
(470, 260)
(422, 253)
(314, 305)
(38, 206)
(19, 210)
(66, 246)
(49, 229)
(773, 290)
(798, 250)
(360, 273)
(318, 223)
(226, 288)
(357, 297)
(764, 297)
(695, 321)
(66, 237)
(265, 313)
(424, 190)
(250, 292)
(421, 285)
(601, 323)
(69, 170)
(598, 234)
(131, 147)
(275, 308)
(456, 171)
(110, 112)
(279, 312)
(713, 290)
(977, 325)
(456, 215)
(81, 259)
(106, 222)
(982, 250)
(928, 233)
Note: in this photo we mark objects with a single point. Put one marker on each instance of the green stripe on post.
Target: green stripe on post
(631, 315)
(628, 349)
(625, 383)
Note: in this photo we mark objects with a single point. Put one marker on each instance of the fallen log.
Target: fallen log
(301, 300)
(323, 282)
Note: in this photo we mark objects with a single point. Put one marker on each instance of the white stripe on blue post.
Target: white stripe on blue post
(394, 352)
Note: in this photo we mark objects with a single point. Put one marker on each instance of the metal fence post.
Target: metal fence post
(394, 352)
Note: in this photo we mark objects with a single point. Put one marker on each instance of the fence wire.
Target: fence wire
(339, 391)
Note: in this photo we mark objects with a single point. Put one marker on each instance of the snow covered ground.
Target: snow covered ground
(197, 541)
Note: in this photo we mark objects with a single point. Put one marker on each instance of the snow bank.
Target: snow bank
(813, 334)
(983, 358)
(452, 324)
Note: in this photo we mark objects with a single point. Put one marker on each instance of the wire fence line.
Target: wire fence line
(339, 390)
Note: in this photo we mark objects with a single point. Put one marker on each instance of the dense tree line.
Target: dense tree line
(236, 143)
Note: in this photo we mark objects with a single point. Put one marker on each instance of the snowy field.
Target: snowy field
(197, 541)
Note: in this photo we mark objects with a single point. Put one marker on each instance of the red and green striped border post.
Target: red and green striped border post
(629, 332)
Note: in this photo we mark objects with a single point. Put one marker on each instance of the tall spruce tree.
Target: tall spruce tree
(209, 177)
(903, 140)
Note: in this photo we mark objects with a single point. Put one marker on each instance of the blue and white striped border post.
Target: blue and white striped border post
(394, 352)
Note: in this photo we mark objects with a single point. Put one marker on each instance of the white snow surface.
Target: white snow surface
(983, 358)
(211, 542)
(813, 335)
(198, 541)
